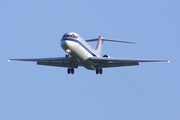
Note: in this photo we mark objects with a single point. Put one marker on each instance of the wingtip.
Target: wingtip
(169, 61)
(130, 42)
(9, 60)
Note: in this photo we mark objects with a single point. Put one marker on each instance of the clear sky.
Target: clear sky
(33, 29)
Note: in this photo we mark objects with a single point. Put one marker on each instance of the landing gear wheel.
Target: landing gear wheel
(72, 70)
(97, 70)
(68, 71)
(100, 70)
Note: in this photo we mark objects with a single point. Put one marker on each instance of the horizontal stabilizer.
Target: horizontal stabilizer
(110, 40)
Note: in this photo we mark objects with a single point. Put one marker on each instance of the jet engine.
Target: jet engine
(107, 56)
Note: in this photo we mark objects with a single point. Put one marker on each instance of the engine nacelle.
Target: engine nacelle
(107, 56)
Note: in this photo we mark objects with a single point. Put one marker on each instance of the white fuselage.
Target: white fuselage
(79, 49)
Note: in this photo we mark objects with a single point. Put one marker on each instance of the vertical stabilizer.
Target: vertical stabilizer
(99, 45)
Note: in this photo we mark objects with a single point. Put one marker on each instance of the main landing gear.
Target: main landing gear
(70, 70)
(99, 70)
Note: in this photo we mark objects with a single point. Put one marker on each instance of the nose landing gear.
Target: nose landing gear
(67, 56)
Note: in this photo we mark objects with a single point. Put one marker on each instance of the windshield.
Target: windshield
(70, 36)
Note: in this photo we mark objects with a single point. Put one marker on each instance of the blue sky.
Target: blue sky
(33, 29)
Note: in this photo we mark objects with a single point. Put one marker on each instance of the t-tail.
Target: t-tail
(99, 45)
(100, 42)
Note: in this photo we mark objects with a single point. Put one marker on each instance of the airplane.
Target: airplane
(80, 53)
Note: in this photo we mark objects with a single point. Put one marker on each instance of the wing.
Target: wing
(58, 61)
(101, 62)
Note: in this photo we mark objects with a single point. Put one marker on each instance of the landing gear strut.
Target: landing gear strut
(70, 70)
(99, 70)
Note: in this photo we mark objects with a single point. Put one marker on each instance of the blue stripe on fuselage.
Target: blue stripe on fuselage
(77, 41)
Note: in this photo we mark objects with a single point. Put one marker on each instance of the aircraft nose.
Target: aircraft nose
(64, 44)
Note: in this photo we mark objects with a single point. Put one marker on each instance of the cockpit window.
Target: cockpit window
(70, 36)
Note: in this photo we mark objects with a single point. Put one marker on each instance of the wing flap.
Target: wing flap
(58, 63)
